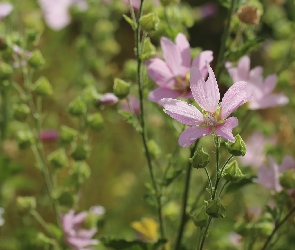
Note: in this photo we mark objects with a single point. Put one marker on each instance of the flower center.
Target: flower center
(210, 119)
(182, 83)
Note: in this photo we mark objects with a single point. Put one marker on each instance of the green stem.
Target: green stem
(277, 227)
(205, 234)
(184, 199)
(223, 187)
(4, 112)
(209, 180)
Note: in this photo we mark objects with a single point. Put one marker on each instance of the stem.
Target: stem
(217, 145)
(277, 227)
(225, 35)
(184, 199)
(205, 234)
(42, 222)
(209, 180)
(4, 111)
(223, 187)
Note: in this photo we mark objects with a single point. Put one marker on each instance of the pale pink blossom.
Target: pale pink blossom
(49, 135)
(269, 176)
(134, 104)
(214, 116)
(75, 236)
(172, 74)
(260, 89)
(207, 10)
(107, 99)
(56, 12)
(5, 9)
(136, 3)
(235, 239)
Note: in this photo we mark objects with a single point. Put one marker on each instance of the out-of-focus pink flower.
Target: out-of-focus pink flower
(5, 9)
(172, 74)
(79, 239)
(235, 239)
(134, 103)
(107, 99)
(136, 3)
(214, 116)
(49, 135)
(56, 12)
(207, 10)
(260, 89)
(269, 176)
(1, 218)
(20, 55)
(255, 155)
(97, 210)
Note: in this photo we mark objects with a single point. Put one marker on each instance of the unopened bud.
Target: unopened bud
(107, 99)
(33, 36)
(26, 203)
(149, 49)
(90, 95)
(80, 171)
(232, 172)
(80, 152)
(77, 107)
(25, 139)
(42, 87)
(149, 22)
(65, 198)
(5, 71)
(237, 148)
(20, 111)
(200, 217)
(121, 88)
(3, 43)
(200, 159)
(215, 209)
(287, 179)
(154, 148)
(95, 121)
(248, 15)
(263, 228)
(67, 134)
(36, 60)
(58, 158)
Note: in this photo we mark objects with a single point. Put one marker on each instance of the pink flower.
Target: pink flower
(79, 239)
(49, 135)
(56, 12)
(172, 74)
(107, 99)
(136, 3)
(5, 9)
(214, 116)
(269, 176)
(207, 10)
(260, 89)
(134, 103)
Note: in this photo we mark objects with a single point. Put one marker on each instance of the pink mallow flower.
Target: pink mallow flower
(214, 116)
(269, 176)
(260, 89)
(5, 9)
(134, 104)
(172, 74)
(107, 99)
(79, 239)
(49, 135)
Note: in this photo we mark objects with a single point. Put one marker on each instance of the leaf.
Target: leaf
(131, 119)
(55, 231)
(248, 179)
(130, 21)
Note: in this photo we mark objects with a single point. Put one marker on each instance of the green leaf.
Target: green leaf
(55, 231)
(248, 179)
(131, 119)
(130, 21)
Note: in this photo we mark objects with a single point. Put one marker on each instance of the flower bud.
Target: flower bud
(24, 139)
(121, 88)
(3, 43)
(232, 172)
(90, 95)
(237, 148)
(5, 71)
(130, 68)
(215, 209)
(149, 49)
(26, 203)
(20, 111)
(95, 121)
(169, 2)
(200, 217)
(42, 87)
(107, 99)
(50, 135)
(67, 134)
(248, 15)
(36, 60)
(200, 159)
(77, 107)
(80, 171)
(33, 36)
(65, 198)
(80, 152)
(287, 179)
(154, 148)
(58, 158)
(263, 228)
(149, 22)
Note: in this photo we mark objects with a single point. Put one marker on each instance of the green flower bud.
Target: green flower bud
(65, 198)
(169, 2)
(26, 203)
(25, 139)
(3, 43)
(80, 152)
(287, 179)
(236, 148)
(215, 209)
(130, 68)
(95, 121)
(36, 60)
(67, 134)
(90, 95)
(80, 171)
(20, 111)
(200, 159)
(149, 49)
(42, 87)
(149, 22)
(5, 71)
(43, 242)
(232, 172)
(58, 158)
(263, 228)
(121, 88)
(33, 36)
(154, 148)
(77, 107)
(200, 217)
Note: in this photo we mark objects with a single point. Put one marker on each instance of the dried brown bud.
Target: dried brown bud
(248, 15)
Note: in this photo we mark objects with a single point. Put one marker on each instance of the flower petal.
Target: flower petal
(244, 68)
(79, 243)
(255, 76)
(269, 84)
(270, 101)
(86, 234)
(206, 94)
(182, 111)
(159, 93)
(235, 96)
(202, 60)
(172, 56)
(79, 218)
(287, 163)
(159, 72)
(190, 135)
(224, 130)
(185, 52)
